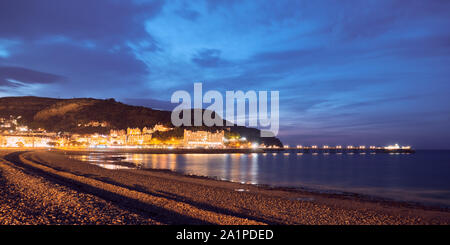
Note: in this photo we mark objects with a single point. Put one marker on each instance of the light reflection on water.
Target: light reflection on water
(422, 177)
(112, 166)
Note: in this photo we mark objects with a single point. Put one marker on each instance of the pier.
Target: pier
(351, 149)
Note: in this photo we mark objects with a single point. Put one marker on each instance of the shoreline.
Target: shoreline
(325, 191)
(207, 200)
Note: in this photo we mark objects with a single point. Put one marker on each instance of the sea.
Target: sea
(418, 178)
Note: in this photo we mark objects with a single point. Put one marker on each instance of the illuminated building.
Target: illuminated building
(116, 133)
(204, 139)
(162, 128)
(117, 137)
(133, 131)
(96, 140)
(137, 137)
(22, 128)
(134, 136)
(24, 141)
(145, 130)
(94, 124)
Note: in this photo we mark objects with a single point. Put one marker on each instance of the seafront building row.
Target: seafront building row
(116, 138)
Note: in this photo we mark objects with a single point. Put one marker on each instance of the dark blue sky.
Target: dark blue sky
(348, 72)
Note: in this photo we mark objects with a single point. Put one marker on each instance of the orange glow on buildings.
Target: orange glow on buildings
(204, 139)
(24, 141)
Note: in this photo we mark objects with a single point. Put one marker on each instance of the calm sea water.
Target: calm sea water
(423, 177)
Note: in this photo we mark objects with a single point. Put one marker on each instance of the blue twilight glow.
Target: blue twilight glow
(348, 72)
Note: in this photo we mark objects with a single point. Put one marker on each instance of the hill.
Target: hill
(88, 115)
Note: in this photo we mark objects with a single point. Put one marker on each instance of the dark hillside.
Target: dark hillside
(87, 115)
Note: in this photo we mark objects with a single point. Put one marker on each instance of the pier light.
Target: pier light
(314, 146)
(325, 147)
(362, 147)
(338, 147)
(392, 147)
(299, 146)
(350, 147)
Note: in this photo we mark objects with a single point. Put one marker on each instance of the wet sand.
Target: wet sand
(45, 187)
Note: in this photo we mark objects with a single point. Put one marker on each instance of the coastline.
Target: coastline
(210, 201)
(393, 197)
(326, 193)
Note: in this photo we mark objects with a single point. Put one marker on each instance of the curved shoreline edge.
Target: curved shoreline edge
(173, 198)
(326, 192)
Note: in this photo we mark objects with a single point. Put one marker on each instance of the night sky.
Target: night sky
(349, 72)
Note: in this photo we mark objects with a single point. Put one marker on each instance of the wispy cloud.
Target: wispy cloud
(15, 76)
